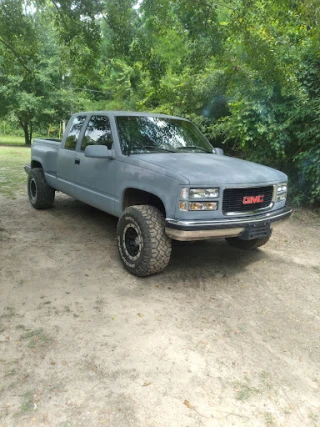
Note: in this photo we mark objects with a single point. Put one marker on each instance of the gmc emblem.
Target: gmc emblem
(250, 200)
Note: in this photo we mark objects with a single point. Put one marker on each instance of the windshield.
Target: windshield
(141, 134)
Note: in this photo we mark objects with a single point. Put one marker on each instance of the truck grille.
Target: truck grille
(233, 199)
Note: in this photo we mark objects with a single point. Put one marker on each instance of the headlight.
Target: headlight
(281, 197)
(203, 206)
(203, 193)
(282, 188)
(282, 192)
(188, 197)
(184, 193)
(183, 206)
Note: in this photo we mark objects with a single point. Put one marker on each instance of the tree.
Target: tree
(272, 64)
(246, 71)
(35, 84)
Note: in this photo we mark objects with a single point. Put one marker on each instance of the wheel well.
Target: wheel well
(35, 164)
(132, 196)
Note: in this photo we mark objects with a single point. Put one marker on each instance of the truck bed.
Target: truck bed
(54, 141)
(45, 151)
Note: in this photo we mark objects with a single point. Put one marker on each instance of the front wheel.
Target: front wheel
(143, 246)
(247, 244)
(41, 195)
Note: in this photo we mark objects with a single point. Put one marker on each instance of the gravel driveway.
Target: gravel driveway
(220, 338)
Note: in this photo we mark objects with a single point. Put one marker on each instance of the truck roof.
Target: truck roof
(130, 113)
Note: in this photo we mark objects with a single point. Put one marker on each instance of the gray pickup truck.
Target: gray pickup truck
(164, 181)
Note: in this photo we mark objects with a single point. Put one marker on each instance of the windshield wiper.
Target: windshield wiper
(193, 147)
(152, 147)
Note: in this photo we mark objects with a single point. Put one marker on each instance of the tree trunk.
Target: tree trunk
(30, 133)
(26, 135)
(26, 125)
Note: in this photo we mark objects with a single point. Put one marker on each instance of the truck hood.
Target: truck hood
(213, 169)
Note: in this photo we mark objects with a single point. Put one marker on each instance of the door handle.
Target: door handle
(77, 161)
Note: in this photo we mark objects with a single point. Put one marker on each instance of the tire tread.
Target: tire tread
(45, 194)
(157, 243)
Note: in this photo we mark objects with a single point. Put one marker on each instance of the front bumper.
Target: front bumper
(27, 168)
(232, 227)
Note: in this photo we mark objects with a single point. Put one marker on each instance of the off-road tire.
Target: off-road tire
(41, 195)
(247, 244)
(143, 246)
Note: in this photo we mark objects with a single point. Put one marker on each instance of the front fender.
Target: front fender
(133, 177)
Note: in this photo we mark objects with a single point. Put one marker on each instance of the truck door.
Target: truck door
(67, 155)
(96, 177)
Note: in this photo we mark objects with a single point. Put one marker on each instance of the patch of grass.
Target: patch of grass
(20, 327)
(265, 375)
(297, 216)
(37, 338)
(317, 269)
(27, 403)
(266, 379)
(67, 309)
(12, 140)
(99, 302)
(8, 312)
(12, 174)
(2, 328)
(13, 385)
(10, 373)
(245, 391)
(314, 418)
(269, 419)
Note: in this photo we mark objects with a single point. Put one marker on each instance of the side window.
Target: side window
(74, 132)
(98, 132)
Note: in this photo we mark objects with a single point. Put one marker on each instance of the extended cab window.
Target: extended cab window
(98, 132)
(74, 132)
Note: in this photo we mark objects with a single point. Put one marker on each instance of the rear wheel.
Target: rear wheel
(247, 244)
(143, 246)
(41, 195)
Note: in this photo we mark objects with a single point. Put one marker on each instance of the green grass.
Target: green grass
(269, 419)
(8, 312)
(37, 338)
(12, 175)
(27, 403)
(245, 391)
(11, 140)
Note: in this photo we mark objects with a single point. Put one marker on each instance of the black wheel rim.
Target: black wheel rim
(33, 189)
(132, 241)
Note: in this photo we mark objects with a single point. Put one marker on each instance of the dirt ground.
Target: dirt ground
(220, 338)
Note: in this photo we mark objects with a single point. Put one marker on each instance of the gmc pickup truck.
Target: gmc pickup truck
(164, 181)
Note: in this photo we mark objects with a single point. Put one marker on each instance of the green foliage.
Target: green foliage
(33, 92)
(247, 72)
(273, 90)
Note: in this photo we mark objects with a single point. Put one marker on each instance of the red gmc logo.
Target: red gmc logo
(250, 200)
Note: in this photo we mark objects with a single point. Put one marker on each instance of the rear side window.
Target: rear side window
(98, 132)
(74, 132)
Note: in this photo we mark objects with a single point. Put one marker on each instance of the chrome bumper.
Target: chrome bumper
(199, 230)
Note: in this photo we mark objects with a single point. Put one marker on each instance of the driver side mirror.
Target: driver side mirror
(218, 151)
(99, 152)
